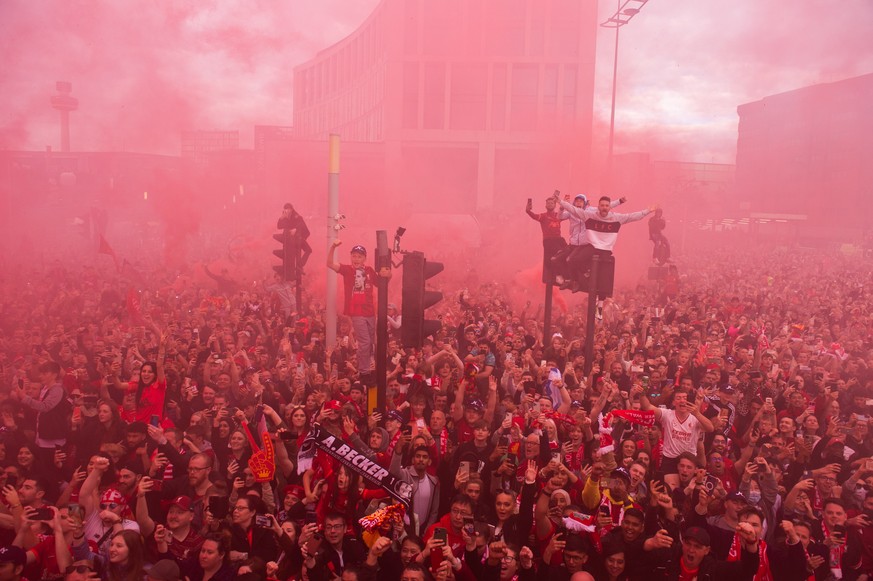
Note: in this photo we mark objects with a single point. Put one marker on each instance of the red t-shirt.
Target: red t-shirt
(358, 284)
(44, 551)
(550, 222)
(152, 402)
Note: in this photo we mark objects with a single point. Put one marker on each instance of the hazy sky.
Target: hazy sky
(143, 70)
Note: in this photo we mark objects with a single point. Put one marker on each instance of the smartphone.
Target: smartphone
(542, 362)
(711, 483)
(263, 521)
(604, 510)
(219, 506)
(287, 436)
(77, 511)
(43, 514)
(464, 468)
(157, 485)
(769, 400)
(310, 517)
(155, 420)
(504, 440)
(530, 201)
(469, 525)
(406, 430)
(436, 556)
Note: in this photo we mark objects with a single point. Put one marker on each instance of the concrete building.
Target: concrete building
(475, 103)
(807, 152)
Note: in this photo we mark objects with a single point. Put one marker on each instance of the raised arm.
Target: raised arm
(331, 252)
(162, 349)
(88, 497)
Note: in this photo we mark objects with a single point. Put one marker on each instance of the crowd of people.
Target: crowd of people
(720, 432)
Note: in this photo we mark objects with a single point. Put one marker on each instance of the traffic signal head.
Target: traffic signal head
(286, 254)
(414, 327)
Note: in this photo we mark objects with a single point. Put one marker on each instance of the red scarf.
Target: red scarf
(763, 573)
(812, 576)
(640, 417)
(444, 443)
(835, 554)
(392, 444)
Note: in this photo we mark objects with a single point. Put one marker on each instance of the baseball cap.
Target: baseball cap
(475, 404)
(334, 405)
(357, 386)
(13, 554)
(359, 249)
(294, 490)
(697, 534)
(164, 570)
(395, 416)
(728, 389)
(621, 473)
(183, 502)
(736, 495)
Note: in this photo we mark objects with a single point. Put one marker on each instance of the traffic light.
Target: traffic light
(287, 254)
(414, 327)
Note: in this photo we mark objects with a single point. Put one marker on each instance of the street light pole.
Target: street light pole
(612, 108)
(624, 12)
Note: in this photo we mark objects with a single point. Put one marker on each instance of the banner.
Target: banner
(610, 433)
(354, 460)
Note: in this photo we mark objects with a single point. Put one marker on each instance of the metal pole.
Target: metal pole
(332, 212)
(592, 311)
(381, 325)
(612, 109)
(547, 314)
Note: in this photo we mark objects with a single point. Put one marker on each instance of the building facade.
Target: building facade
(473, 100)
(808, 152)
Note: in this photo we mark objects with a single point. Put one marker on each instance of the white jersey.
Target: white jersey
(679, 436)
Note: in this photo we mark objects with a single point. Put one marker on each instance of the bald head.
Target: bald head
(581, 576)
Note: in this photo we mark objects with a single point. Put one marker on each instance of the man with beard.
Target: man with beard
(692, 559)
(553, 242)
(425, 488)
(613, 501)
(601, 230)
(178, 537)
(293, 222)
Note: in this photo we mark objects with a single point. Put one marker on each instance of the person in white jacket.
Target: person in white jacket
(601, 228)
(562, 262)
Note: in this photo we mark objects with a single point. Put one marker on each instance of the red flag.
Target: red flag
(106, 249)
(133, 305)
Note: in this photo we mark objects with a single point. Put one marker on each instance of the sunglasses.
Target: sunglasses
(78, 569)
(108, 505)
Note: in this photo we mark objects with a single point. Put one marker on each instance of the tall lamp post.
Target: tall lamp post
(625, 11)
